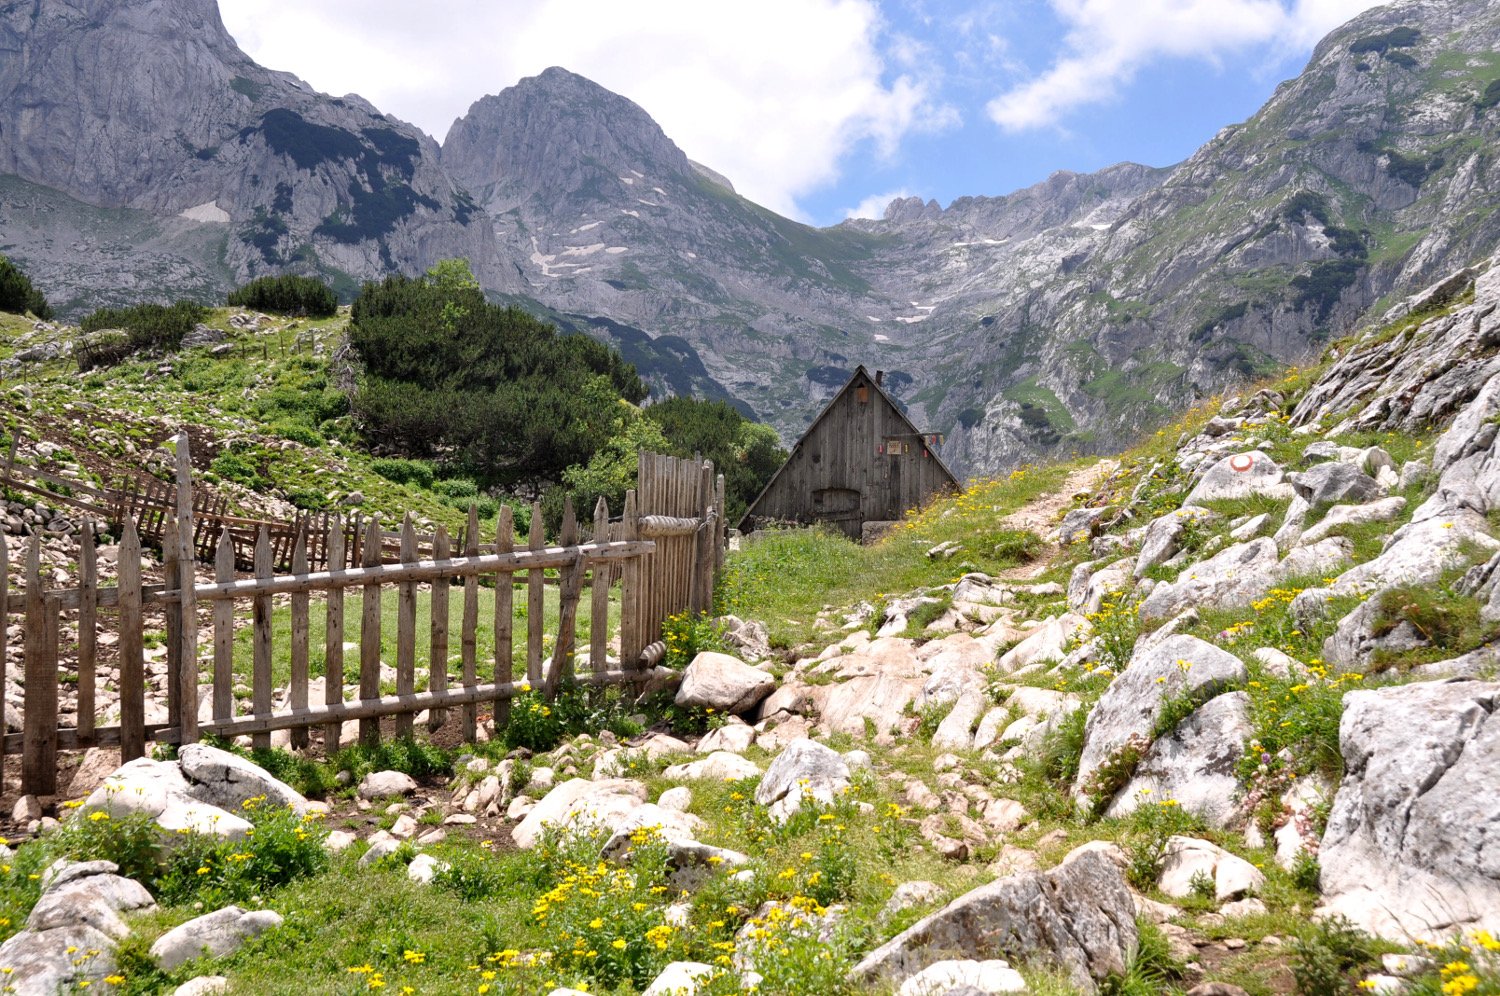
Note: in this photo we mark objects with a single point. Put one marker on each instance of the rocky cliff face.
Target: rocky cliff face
(145, 151)
(148, 105)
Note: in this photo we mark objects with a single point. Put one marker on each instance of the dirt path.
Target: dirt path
(1041, 516)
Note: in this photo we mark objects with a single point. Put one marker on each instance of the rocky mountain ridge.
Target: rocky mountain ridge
(1055, 319)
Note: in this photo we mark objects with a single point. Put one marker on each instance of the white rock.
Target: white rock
(721, 766)
(721, 682)
(805, 770)
(986, 976)
(735, 737)
(219, 933)
(676, 799)
(1241, 475)
(203, 985)
(384, 784)
(680, 978)
(1185, 859)
(424, 868)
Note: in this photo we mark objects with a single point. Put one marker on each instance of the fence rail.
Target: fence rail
(664, 561)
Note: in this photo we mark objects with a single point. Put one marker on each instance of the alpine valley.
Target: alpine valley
(143, 153)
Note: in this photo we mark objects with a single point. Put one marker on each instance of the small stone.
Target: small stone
(384, 784)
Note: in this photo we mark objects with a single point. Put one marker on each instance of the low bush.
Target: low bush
(687, 635)
(17, 295)
(290, 295)
(417, 472)
(149, 326)
(1325, 959)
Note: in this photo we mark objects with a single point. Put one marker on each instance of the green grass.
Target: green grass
(281, 630)
(785, 577)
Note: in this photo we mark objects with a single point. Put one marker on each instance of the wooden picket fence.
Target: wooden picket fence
(664, 551)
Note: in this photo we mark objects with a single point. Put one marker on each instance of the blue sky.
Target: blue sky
(820, 108)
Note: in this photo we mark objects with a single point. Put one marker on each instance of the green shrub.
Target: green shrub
(1324, 959)
(241, 462)
(289, 295)
(456, 487)
(298, 433)
(417, 472)
(472, 875)
(534, 724)
(208, 869)
(17, 295)
(149, 326)
(131, 841)
(687, 635)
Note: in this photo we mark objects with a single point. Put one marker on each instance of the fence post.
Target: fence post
(599, 593)
(132, 661)
(39, 754)
(187, 681)
(369, 637)
(260, 680)
(406, 627)
(298, 697)
(569, 587)
(333, 636)
(437, 652)
(88, 599)
(172, 614)
(224, 631)
(469, 637)
(505, 541)
(631, 643)
(534, 605)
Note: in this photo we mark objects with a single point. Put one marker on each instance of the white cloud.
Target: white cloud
(772, 94)
(1108, 41)
(874, 206)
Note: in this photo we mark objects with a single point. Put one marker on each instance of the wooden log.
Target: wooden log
(88, 631)
(567, 612)
(599, 595)
(534, 603)
(299, 667)
(437, 653)
(132, 658)
(469, 638)
(333, 636)
(668, 526)
(261, 677)
(369, 638)
(39, 759)
(406, 628)
(224, 632)
(504, 619)
(187, 679)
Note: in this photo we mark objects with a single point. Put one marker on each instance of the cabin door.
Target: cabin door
(840, 508)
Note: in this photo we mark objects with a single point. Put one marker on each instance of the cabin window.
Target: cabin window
(862, 394)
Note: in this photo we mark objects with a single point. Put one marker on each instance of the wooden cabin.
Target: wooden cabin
(862, 460)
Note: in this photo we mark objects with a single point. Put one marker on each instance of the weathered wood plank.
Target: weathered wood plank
(187, 677)
(406, 628)
(4, 627)
(261, 678)
(132, 657)
(369, 638)
(333, 635)
(469, 639)
(437, 652)
(504, 619)
(599, 595)
(224, 632)
(171, 550)
(39, 760)
(630, 590)
(534, 603)
(568, 594)
(88, 629)
(299, 676)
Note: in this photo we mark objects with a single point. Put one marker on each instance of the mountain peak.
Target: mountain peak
(557, 135)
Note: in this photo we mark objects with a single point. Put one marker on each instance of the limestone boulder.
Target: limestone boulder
(736, 736)
(215, 934)
(1047, 642)
(1195, 765)
(1186, 861)
(576, 800)
(1339, 516)
(385, 784)
(1412, 846)
(1079, 916)
(943, 977)
(1440, 537)
(804, 771)
(720, 766)
(1241, 475)
(724, 683)
(1335, 483)
(1164, 534)
(1177, 666)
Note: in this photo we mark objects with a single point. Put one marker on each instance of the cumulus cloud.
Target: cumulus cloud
(874, 206)
(1109, 41)
(773, 94)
